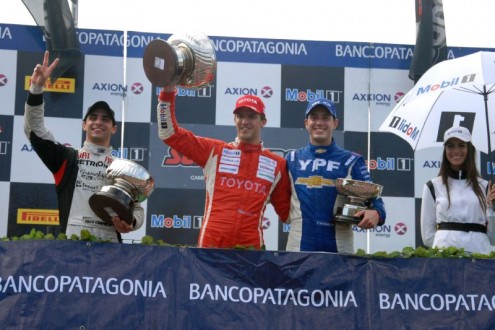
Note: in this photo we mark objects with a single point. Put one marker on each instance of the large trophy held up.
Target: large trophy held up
(186, 60)
(352, 198)
(128, 183)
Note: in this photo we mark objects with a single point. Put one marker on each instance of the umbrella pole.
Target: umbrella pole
(485, 97)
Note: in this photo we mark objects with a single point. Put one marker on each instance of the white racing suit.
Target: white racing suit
(77, 173)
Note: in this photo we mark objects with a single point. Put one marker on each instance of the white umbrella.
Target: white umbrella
(455, 92)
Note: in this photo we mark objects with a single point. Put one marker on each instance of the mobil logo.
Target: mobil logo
(176, 221)
(390, 164)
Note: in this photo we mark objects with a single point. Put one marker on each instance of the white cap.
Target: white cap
(462, 133)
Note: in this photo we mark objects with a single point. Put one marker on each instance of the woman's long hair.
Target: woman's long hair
(470, 170)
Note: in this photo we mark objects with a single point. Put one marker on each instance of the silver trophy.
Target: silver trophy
(187, 60)
(353, 197)
(128, 183)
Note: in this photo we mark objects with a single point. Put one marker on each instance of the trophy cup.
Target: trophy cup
(353, 197)
(186, 60)
(128, 183)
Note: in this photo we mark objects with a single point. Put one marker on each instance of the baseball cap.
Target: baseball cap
(252, 102)
(462, 133)
(329, 105)
(103, 106)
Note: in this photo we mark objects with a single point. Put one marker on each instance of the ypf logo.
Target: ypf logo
(3, 80)
(400, 228)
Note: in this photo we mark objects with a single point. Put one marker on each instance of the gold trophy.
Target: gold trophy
(186, 60)
(353, 197)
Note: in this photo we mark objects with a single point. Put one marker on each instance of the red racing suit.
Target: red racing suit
(241, 179)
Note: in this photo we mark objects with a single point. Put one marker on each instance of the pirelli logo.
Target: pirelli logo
(37, 217)
(61, 85)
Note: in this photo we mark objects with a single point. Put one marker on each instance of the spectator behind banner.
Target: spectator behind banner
(455, 207)
(312, 205)
(241, 177)
(77, 173)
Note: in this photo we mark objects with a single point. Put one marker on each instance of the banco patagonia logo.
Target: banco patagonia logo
(390, 164)
(308, 95)
(265, 92)
(175, 221)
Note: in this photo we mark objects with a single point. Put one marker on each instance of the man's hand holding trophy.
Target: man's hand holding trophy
(354, 196)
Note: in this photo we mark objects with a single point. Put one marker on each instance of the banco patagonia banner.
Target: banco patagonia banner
(83, 285)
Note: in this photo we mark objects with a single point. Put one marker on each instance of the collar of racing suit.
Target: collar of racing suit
(318, 150)
(96, 149)
(247, 146)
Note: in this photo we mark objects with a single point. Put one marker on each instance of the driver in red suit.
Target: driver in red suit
(241, 177)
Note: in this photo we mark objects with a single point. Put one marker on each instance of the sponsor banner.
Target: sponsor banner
(4, 211)
(8, 77)
(388, 163)
(426, 167)
(398, 231)
(303, 84)
(36, 217)
(62, 99)
(175, 215)
(263, 81)
(134, 144)
(370, 95)
(30, 202)
(6, 131)
(185, 288)
(27, 166)
(21, 38)
(192, 106)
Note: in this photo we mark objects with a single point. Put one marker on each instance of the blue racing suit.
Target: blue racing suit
(313, 171)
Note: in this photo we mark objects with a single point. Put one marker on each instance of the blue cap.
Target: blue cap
(326, 103)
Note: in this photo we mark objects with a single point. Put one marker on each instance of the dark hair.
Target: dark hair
(469, 168)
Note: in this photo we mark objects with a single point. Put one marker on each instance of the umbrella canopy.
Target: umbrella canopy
(455, 92)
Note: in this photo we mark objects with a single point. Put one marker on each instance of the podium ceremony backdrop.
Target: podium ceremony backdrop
(365, 80)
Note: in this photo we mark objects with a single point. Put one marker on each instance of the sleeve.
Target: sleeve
(280, 197)
(34, 112)
(138, 216)
(194, 147)
(490, 214)
(360, 172)
(428, 217)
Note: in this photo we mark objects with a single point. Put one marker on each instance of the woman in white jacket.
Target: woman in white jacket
(456, 206)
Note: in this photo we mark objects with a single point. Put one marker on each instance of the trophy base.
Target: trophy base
(111, 202)
(160, 63)
(345, 214)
